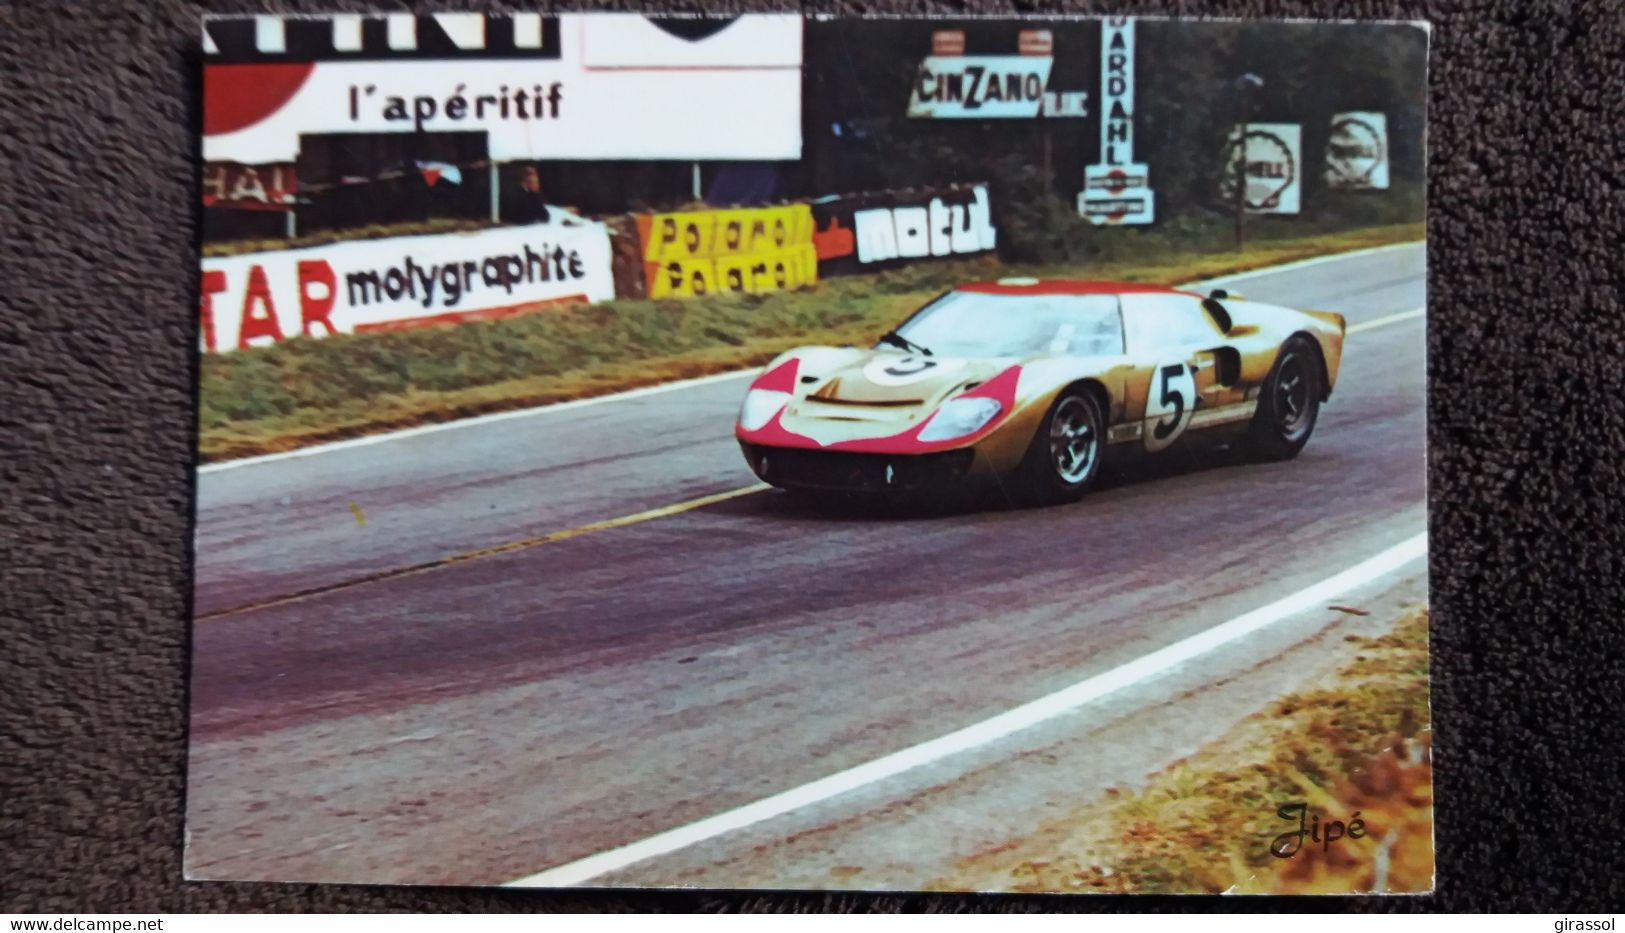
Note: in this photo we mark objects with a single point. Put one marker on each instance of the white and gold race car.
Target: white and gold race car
(1032, 383)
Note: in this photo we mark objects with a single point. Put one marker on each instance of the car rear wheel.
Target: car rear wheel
(1064, 459)
(1288, 403)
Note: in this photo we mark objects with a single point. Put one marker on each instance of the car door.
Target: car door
(1181, 362)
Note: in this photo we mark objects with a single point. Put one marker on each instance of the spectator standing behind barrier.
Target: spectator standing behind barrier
(528, 206)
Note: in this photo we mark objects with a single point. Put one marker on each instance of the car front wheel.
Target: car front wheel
(1064, 459)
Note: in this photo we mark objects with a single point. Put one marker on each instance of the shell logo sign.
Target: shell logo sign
(1357, 152)
(1271, 154)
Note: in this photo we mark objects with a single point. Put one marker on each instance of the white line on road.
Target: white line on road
(1385, 321)
(984, 732)
(1303, 263)
(684, 384)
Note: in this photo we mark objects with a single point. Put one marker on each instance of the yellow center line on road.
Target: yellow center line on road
(1385, 321)
(562, 534)
(565, 534)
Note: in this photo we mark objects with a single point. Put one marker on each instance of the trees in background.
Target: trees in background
(857, 135)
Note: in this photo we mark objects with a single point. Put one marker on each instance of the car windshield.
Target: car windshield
(963, 323)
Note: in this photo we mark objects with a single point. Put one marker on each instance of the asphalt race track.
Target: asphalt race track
(500, 710)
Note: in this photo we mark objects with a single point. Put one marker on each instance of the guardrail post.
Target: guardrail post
(495, 186)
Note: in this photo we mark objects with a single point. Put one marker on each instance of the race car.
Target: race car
(1031, 384)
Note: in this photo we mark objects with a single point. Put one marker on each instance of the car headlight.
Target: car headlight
(959, 417)
(760, 407)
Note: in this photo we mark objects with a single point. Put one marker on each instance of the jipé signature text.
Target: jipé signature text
(1312, 829)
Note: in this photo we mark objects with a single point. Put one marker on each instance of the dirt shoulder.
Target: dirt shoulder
(306, 391)
(1358, 748)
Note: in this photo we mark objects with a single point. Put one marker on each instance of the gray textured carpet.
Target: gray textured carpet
(98, 266)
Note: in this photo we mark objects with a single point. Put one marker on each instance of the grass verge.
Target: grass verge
(305, 391)
(368, 232)
(1361, 744)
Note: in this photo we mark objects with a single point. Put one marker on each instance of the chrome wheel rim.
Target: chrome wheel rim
(1294, 405)
(1074, 440)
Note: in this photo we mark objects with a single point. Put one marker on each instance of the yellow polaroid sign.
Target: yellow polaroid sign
(760, 249)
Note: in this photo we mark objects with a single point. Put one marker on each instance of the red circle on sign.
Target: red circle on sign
(238, 96)
(1116, 181)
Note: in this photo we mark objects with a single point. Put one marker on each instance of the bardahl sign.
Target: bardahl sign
(1117, 189)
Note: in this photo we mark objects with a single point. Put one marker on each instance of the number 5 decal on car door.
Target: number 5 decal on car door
(1168, 405)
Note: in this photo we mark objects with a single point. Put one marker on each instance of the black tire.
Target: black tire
(1288, 402)
(1061, 469)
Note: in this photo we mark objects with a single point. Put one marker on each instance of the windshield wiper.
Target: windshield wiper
(898, 340)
